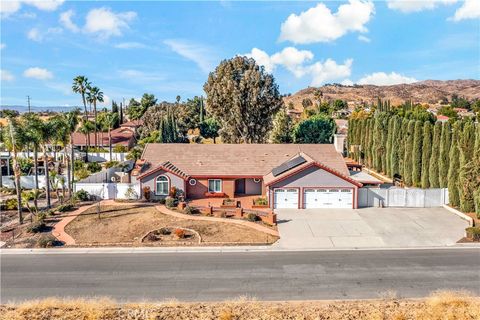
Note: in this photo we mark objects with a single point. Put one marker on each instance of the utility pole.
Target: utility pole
(28, 103)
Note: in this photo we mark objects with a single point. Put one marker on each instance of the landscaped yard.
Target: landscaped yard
(127, 224)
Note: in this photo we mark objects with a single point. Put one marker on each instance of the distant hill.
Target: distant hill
(428, 91)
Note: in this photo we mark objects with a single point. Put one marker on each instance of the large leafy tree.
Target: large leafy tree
(80, 85)
(282, 128)
(209, 129)
(244, 99)
(136, 110)
(317, 129)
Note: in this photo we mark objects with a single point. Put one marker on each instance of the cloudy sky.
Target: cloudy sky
(168, 48)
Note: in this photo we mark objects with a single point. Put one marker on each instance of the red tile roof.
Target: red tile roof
(120, 136)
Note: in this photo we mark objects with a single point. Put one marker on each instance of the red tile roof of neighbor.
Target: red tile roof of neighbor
(120, 136)
(256, 160)
(132, 123)
(442, 118)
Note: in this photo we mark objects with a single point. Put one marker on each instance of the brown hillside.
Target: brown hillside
(428, 91)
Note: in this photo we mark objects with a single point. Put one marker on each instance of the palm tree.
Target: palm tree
(94, 95)
(71, 122)
(80, 85)
(15, 141)
(110, 119)
(86, 128)
(33, 129)
(48, 130)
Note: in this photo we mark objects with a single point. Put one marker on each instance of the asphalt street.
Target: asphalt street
(222, 276)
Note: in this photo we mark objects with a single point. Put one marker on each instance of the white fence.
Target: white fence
(110, 190)
(27, 182)
(105, 156)
(407, 198)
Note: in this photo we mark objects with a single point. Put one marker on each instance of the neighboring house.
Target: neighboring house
(123, 136)
(442, 118)
(340, 137)
(288, 175)
(132, 125)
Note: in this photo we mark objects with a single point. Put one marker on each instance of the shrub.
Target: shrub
(161, 200)
(173, 192)
(41, 216)
(111, 164)
(11, 204)
(131, 194)
(190, 210)
(165, 231)
(46, 241)
(78, 164)
(151, 237)
(82, 173)
(171, 202)
(81, 195)
(261, 201)
(252, 217)
(146, 193)
(25, 164)
(473, 233)
(120, 149)
(37, 226)
(65, 207)
(94, 167)
(180, 233)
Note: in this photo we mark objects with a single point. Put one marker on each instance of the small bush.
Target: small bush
(161, 200)
(473, 233)
(46, 241)
(165, 232)
(36, 227)
(81, 195)
(151, 237)
(131, 194)
(78, 164)
(65, 207)
(120, 149)
(171, 202)
(173, 192)
(190, 210)
(146, 193)
(94, 167)
(180, 233)
(261, 202)
(252, 217)
(41, 216)
(11, 204)
(82, 173)
(111, 164)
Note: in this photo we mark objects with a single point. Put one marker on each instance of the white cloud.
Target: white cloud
(130, 45)
(408, 6)
(364, 39)
(469, 10)
(319, 24)
(296, 61)
(9, 7)
(197, 53)
(38, 73)
(2, 46)
(139, 76)
(6, 75)
(384, 79)
(66, 21)
(38, 35)
(106, 23)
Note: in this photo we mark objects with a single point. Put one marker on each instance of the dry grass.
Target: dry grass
(441, 305)
(127, 224)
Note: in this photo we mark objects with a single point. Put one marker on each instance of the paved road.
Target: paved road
(220, 276)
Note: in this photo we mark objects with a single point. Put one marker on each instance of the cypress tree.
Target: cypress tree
(417, 154)
(426, 154)
(444, 159)
(395, 147)
(454, 163)
(408, 156)
(466, 147)
(433, 170)
(161, 131)
(388, 153)
(383, 149)
(401, 150)
(377, 141)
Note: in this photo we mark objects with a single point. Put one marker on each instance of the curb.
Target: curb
(460, 214)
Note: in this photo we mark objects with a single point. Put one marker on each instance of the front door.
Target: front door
(240, 186)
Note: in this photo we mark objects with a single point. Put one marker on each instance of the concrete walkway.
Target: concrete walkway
(368, 228)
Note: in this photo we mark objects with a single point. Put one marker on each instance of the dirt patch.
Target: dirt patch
(128, 224)
(443, 305)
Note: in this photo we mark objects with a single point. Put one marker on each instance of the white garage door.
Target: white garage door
(286, 199)
(328, 198)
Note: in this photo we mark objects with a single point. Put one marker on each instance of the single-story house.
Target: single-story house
(287, 175)
(122, 136)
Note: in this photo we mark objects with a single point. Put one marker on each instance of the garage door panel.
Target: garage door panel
(327, 198)
(286, 199)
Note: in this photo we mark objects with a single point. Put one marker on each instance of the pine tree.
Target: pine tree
(426, 154)
(454, 163)
(433, 169)
(466, 147)
(417, 154)
(408, 157)
(444, 158)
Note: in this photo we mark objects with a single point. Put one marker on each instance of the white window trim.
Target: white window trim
(213, 191)
(157, 193)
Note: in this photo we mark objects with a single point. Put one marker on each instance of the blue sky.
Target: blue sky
(167, 48)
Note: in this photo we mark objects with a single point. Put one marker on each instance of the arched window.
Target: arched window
(162, 186)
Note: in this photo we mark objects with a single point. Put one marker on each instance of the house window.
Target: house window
(215, 185)
(162, 186)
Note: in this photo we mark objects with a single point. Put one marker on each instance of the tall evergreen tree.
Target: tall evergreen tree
(433, 170)
(282, 128)
(454, 163)
(395, 147)
(417, 154)
(426, 154)
(444, 159)
(408, 156)
(466, 146)
(389, 144)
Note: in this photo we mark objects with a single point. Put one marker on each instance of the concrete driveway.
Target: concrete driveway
(368, 228)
